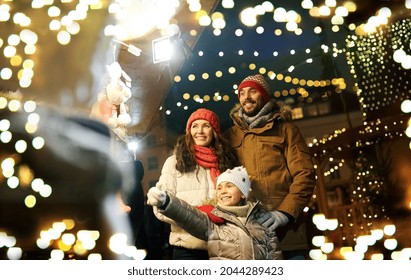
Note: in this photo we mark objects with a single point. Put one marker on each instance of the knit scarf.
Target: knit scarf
(261, 118)
(206, 158)
(238, 210)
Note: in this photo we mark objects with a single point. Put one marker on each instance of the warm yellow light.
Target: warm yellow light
(118, 243)
(14, 253)
(63, 37)
(332, 224)
(350, 6)
(177, 79)
(191, 77)
(248, 17)
(193, 32)
(79, 249)
(69, 224)
(318, 240)
(377, 257)
(344, 250)
(89, 244)
(377, 234)
(20, 146)
(204, 20)
(389, 230)
(390, 244)
(53, 11)
(406, 106)
(57, 254)
(327, 247)
(63, 246)
(95, 256)
(14, 105)
(354, 255)
(30, 201)
(315, 254)
(73, 28)
(13, 182)
(317, 218)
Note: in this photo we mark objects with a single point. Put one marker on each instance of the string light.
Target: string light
(381, 82)
(21, 49)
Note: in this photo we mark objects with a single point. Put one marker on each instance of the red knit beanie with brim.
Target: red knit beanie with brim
(204, 114)
(259, 83)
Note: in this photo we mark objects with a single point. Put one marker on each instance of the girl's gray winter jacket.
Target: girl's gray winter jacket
(237, 238)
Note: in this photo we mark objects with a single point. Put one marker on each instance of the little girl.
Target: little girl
(231, 228)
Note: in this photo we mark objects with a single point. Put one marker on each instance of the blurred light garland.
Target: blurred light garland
(381, 84)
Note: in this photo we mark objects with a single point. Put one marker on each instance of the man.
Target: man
(276, 156)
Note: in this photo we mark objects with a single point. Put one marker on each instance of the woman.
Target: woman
(190, 174)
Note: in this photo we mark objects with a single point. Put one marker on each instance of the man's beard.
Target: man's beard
(253, 112)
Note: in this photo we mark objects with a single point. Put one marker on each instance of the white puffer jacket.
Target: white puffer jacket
(195, 188)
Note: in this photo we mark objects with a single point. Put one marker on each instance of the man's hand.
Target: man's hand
(272, 220)
(155, 197)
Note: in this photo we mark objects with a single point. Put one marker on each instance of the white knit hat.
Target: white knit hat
(239, 177)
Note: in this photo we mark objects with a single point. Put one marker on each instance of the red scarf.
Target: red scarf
(206, 158)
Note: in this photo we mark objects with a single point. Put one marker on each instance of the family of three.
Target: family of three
(238, 194)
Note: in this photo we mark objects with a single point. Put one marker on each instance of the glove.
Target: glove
(155, 197)
(272, 220)
(207, 209)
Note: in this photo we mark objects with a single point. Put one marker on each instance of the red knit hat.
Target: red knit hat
(259, 83)
(204, 114)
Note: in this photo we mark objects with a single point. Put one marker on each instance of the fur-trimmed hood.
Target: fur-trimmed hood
(282, 111)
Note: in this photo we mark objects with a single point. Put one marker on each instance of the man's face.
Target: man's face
(251, 101)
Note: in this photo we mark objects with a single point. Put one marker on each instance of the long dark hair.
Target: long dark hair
(185, 154)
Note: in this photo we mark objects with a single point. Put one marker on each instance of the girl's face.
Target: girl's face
(228, 194)
(202, 133)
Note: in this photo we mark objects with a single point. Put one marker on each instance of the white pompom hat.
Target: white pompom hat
(239, 177)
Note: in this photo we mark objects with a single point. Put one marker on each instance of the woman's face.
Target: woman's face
(228, 194)
(202, 133)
